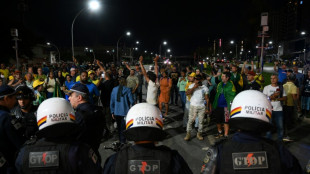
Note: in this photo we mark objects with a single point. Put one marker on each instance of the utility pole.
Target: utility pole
(263, 34)
(14, 34)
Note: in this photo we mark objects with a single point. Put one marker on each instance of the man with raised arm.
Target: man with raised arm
(152, 81)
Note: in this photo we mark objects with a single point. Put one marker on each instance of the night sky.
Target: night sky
(185, 25)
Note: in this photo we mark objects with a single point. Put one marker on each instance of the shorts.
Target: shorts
(221, 115)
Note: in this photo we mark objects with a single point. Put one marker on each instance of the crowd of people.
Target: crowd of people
(98, 96)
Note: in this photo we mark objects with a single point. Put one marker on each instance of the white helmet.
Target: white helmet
(251, 110)
(54, 111)
(144, 123)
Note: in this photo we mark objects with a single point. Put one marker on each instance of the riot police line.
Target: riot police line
(56, 148)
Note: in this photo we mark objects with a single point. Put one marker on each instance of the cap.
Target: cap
(252, 73)
(72, 69)
(192, 74)
(37, 83)
(6, 90)
(17, 71)
(91, 72)
(80, 88)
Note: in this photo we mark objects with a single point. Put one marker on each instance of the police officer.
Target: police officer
(88, 116)
(247, 151)
(55, 150)
(144, 126)
(25, 112)
(10, 139)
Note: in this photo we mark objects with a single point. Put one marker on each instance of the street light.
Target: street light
(48, 43)
(93, 5)
(91, 51)
(303, 33)
(232, 42)
(127, 34)
(137, 42)
(164, 43)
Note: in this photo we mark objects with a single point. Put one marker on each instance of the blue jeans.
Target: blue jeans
(277, 118)
(183, 99)
(121, 127)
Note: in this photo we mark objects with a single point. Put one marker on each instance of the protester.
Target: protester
(121, 100)
(164, 97)
(225, 94)
(276, 94)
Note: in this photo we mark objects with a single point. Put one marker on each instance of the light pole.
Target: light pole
(127, 34)
(168, 50)
(303, 33)
(164, 43)
(92, 5)
(51, 44)
(232, 42)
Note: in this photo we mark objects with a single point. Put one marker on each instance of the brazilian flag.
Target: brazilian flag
(57, 91)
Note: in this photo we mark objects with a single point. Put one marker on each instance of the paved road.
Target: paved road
(193, 151)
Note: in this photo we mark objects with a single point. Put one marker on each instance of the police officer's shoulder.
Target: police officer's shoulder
(31, 141)
(16, 122)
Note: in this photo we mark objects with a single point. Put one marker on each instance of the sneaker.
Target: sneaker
(218, 135)
(287, 139)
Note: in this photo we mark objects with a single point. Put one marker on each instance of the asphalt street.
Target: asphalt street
(193, 151)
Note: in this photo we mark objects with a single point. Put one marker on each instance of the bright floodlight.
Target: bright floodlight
(232, 42)
(48, 43)
(270, 42)
(303, 33)
(128, 33)
(137, 42)
(165, 43)
(168, 50)
(94, 5)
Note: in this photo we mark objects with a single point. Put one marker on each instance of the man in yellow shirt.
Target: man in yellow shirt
(288, 107)
(92, 77)
(4, 71)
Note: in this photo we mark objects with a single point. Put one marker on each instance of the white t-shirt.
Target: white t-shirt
(198, 96)
(269, 90)
(151, 96)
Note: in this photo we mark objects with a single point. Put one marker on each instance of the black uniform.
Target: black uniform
(57, 151)
(10, 141)
(28, 121)
(89, 117)
(146, 158)
(249, 153)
